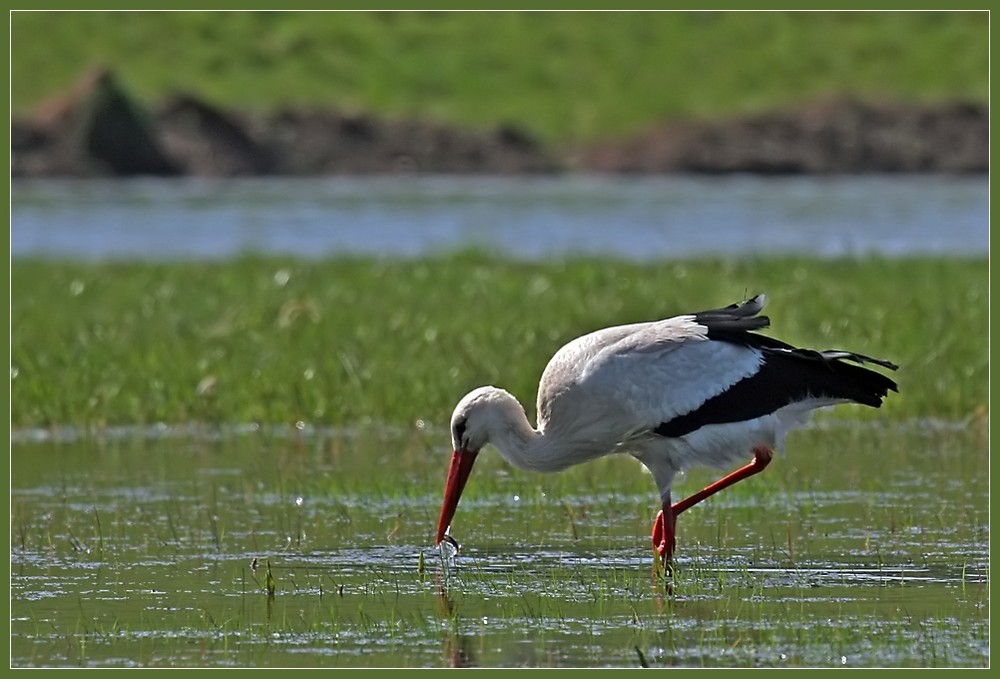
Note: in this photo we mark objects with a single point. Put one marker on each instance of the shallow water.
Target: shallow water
(640, 218)
(866, 545)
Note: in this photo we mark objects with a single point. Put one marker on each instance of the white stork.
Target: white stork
(698, 389)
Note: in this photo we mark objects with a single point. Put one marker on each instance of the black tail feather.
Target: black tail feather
(787, 374)
(731, 322)
(826, 374)
(857, 358)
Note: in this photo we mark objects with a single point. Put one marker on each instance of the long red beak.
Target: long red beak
(458, 474)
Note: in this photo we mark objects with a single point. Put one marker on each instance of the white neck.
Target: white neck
(506, 426)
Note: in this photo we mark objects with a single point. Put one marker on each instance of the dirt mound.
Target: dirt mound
(834, 136)
(311, 142)
(96, 128)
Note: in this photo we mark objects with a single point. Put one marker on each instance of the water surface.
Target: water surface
(153, 550)
(639, 218)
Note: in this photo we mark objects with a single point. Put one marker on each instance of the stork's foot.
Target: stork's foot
(664, 535)
(664, 538)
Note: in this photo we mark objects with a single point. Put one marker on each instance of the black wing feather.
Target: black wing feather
(786, 375)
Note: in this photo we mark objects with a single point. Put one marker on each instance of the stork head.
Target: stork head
(474, 418)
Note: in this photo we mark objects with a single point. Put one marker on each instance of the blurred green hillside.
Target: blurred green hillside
(567, 76)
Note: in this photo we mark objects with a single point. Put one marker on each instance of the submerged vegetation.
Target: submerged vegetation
(357, 340)
(275, 549)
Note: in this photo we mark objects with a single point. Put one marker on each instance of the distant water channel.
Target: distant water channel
(639, 218)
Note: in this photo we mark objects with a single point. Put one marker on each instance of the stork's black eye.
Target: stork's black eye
(459, 431)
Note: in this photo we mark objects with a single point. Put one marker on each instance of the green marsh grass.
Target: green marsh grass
(362, 342)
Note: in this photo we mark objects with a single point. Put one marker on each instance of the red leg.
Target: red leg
(761, 458)
(664, 528)
(665, 525)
